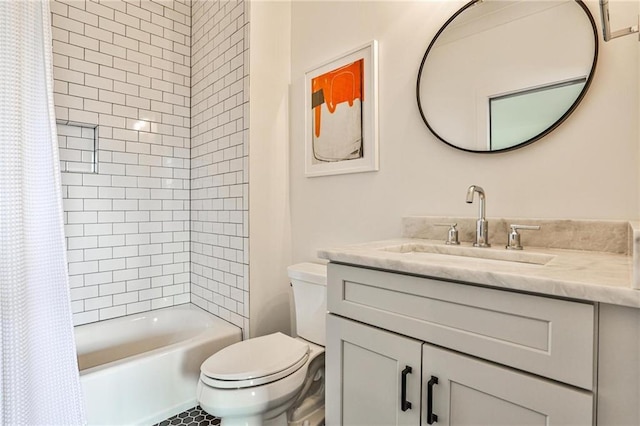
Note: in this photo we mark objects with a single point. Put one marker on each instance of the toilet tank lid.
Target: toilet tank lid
(310, 272)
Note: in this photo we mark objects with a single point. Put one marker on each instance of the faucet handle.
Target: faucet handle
(452, 234)
(514, 236)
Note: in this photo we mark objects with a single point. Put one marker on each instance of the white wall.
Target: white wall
(586, 169)
(269, 218)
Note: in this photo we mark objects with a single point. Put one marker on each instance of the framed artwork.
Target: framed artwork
(341, 119)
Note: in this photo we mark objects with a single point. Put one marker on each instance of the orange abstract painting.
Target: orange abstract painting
(337, 98)
(341, 114)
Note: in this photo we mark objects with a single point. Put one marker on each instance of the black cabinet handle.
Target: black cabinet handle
(404, 404)
(431, 418)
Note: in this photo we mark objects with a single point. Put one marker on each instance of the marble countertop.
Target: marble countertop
(576, 274)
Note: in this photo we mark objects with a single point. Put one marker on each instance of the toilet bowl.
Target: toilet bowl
(266, 390)
(274, 379)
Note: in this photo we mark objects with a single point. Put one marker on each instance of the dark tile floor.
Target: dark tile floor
(195, 416)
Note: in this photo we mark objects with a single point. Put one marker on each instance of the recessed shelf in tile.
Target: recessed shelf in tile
(78, 145)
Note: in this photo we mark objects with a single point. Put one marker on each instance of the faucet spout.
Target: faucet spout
(482, 226)
(472, 190)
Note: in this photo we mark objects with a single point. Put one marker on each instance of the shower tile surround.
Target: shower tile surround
(219, 160)
(125, 68)
(164, 220)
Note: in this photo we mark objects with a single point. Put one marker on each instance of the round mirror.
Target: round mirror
(501, 74)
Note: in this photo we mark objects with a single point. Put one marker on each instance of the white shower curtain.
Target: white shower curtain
(39, 384)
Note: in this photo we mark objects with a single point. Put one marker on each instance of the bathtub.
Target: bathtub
(144, 368)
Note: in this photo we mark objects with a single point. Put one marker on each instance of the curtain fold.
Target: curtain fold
(39, 382)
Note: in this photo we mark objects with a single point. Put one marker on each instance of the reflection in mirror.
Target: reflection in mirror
(502, 74)
(525, 114)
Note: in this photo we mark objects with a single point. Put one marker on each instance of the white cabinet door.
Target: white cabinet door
(470, 391)
(369, 371)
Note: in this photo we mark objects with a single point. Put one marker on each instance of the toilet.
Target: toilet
(274, 380)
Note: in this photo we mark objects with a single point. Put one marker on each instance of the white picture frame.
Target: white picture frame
(341, 114)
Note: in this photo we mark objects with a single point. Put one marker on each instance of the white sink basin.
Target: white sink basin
(475, 252)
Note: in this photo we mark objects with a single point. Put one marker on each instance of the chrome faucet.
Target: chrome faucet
(482, 226)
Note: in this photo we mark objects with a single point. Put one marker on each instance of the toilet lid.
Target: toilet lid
(255, 361)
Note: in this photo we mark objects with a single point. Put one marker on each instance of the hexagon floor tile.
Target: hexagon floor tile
(195, 416)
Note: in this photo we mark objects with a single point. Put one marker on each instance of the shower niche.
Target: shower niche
(78, 144)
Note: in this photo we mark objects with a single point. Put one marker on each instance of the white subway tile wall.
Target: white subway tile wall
(219, 159)
(125, 66)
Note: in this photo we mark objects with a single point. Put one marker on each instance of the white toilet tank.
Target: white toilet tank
(309, 281)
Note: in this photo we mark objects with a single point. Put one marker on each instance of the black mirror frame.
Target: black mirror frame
(551, 128)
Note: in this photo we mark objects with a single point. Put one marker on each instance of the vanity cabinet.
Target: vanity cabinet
(498, 357)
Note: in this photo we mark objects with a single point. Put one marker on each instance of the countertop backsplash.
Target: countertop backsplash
(591, 235)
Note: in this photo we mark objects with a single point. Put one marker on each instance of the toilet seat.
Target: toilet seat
(254, 362)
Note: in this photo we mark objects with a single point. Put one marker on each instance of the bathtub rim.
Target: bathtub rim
(158, 352)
